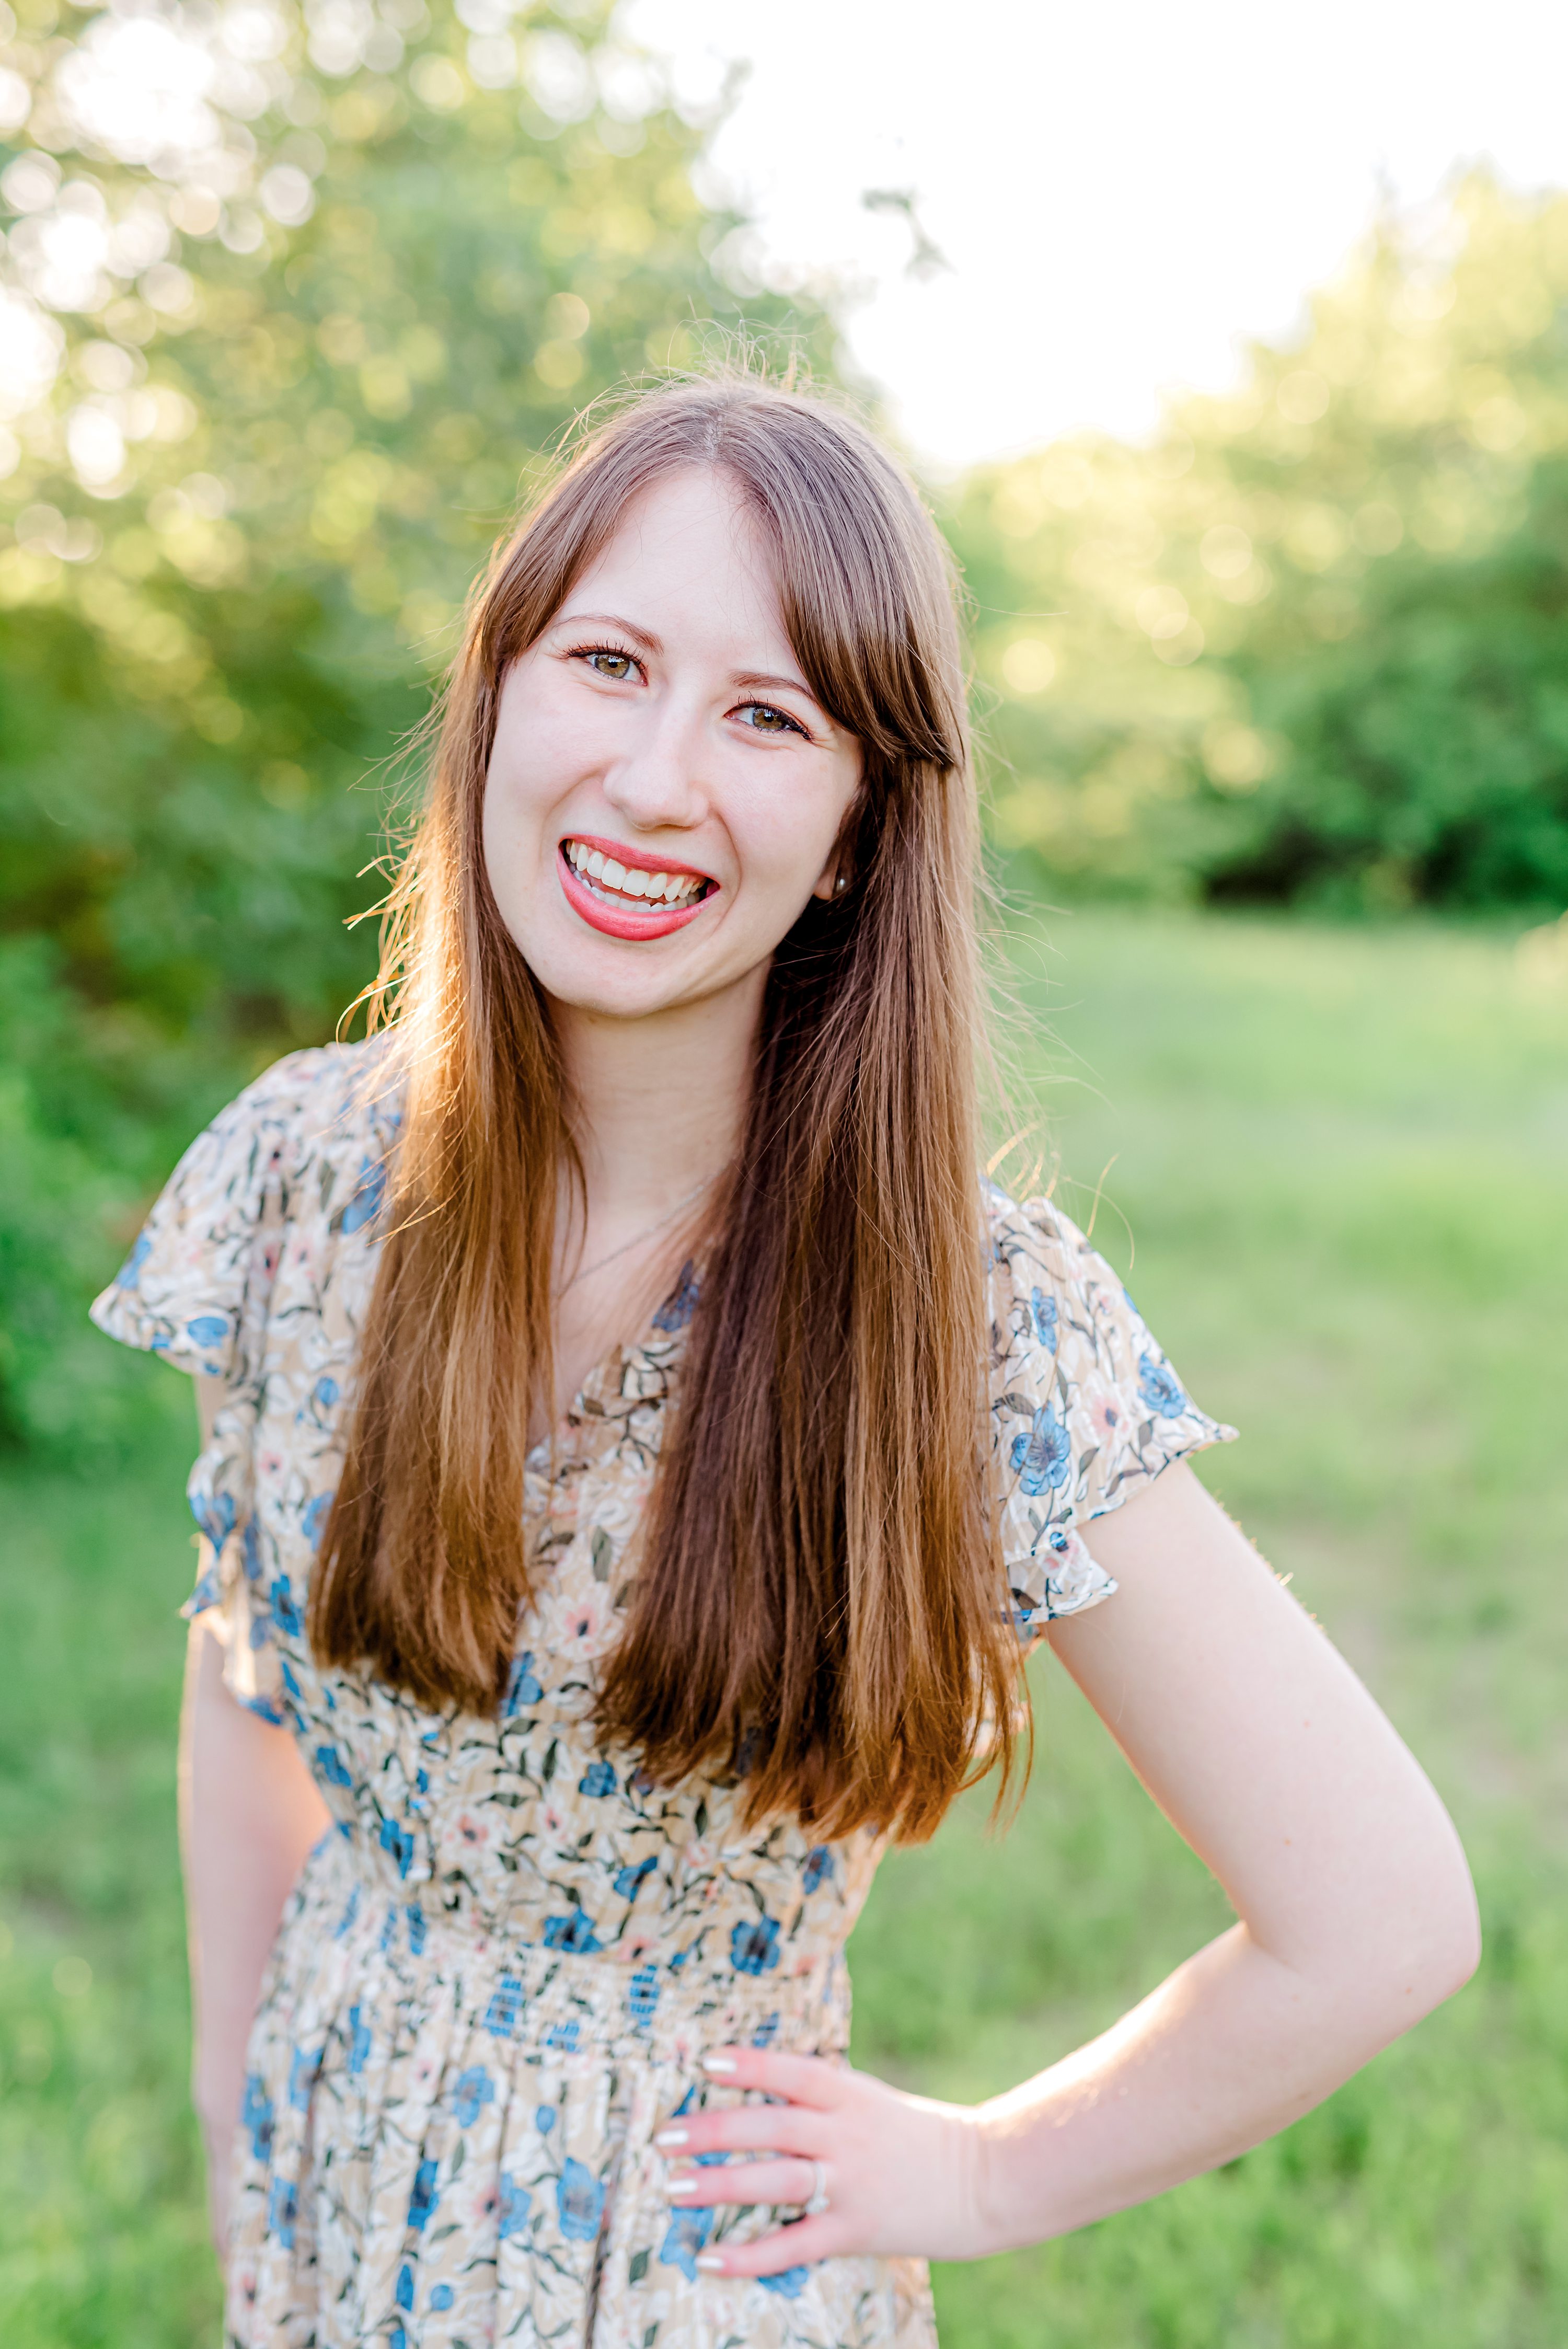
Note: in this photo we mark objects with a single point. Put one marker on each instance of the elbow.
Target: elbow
(1460, 1954)
(1388, 1958)
(1432, 1948)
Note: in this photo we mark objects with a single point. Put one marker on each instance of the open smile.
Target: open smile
(600, 881)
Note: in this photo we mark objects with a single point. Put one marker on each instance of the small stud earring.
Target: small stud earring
(841, 885)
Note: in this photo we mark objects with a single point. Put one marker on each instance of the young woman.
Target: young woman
(638, 1450)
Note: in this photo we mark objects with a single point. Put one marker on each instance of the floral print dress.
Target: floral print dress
(499, 1970)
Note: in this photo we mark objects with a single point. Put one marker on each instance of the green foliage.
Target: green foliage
(1311, 643)
(243, 524)
(1340, 1156)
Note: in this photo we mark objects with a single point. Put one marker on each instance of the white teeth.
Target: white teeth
(632, 881)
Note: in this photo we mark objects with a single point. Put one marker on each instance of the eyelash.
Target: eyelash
(620, 652)
(612, 652)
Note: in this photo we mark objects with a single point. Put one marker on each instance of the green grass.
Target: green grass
(102, 2231)
(1342, 1154)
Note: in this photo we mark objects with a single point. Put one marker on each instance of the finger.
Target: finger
(780, 2183)
(747, 2129)
(804, 2079)
(786, 2247)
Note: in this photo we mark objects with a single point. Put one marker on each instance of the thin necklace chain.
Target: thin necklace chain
(587, 1271)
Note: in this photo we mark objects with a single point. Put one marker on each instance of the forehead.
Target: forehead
(690, 539)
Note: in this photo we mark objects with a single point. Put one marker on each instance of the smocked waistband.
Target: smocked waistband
(746, 1988)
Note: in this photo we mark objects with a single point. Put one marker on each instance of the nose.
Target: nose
(658, 782)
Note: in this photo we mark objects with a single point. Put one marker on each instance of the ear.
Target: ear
(826, 885)
(840, 866)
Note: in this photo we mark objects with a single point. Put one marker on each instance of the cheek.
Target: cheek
(530, 773)
(528, 768)
(510, 839)
(785, 835)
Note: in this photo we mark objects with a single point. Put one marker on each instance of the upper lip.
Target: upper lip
(641, 860)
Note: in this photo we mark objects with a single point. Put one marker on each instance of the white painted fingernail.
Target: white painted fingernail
(671, 2137)
(712, 2261)
(682, 2185)
(719, 2063)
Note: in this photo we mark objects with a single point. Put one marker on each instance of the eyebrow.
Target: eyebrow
(644, 637)
(752, 680)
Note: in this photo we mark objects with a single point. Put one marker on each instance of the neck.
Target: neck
(658, 1103)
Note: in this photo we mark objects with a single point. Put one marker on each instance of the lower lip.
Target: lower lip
(612, 920)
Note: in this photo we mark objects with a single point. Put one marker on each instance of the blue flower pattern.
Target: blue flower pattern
(572, 1931)
(580, 2199)
(677, 1309)
(515, 2202)
(522, 1689)
(422, 2201)
(1160, 1388)
(473, 2091)
(283, 2209)
(789, 2281)
(286, 1613)
(358, 2043)
(754, 1945)
(304, 2066)
(497, 2048)
(502, 2013)
(1042, 1456)
(686, 2235)
(256, 2117)
(129, 1273)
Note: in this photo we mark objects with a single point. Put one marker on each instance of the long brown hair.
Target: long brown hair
(820, 1609)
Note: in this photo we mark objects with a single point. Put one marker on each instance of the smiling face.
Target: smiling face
(665, 794)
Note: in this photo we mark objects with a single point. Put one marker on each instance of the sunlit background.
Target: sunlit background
(1231, 344)
(1108, 200)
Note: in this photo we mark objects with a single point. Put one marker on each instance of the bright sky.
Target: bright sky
(1122, 192)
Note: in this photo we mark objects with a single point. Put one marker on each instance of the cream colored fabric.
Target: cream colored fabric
(499, 1971)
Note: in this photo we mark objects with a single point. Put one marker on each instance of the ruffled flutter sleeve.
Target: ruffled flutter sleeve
(1085, 1408)
(196, 1291)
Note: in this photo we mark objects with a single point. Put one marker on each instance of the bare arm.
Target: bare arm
(1356, 1917)
(1356, 1914)
(249, 1813)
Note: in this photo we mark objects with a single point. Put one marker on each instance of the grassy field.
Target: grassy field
(1342, 1156)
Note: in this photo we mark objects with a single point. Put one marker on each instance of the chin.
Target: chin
(583, 982)
(608, 1002)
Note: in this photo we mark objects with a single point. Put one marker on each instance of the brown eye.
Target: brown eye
(763, 719)
(617, 667)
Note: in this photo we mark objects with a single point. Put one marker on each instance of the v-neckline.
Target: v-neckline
(610, 1367)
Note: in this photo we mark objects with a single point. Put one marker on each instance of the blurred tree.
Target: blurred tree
(290, 305)
(1313, 642)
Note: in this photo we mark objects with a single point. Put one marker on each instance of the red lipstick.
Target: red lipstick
(628, 918)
